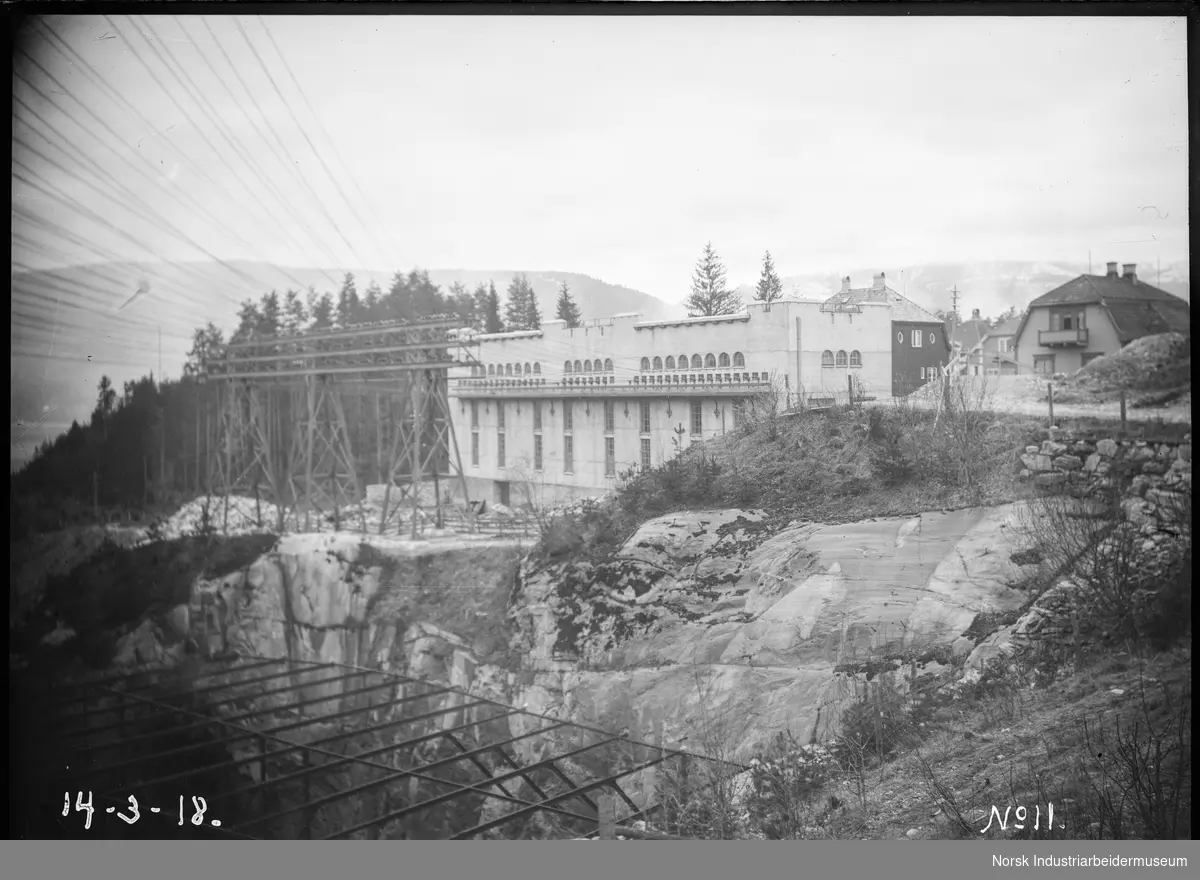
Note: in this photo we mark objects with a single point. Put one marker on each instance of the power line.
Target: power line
(214, 117)
(303, 132)
(329, 140)
(304, 180)
(105, 125)
(117, 97)
(188, 116)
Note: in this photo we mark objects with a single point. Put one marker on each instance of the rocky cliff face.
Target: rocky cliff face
(701, 627)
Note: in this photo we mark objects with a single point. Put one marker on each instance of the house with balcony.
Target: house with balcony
(920, 345)
(1093, 315)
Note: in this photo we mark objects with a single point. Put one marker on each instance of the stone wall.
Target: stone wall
(1153, 476)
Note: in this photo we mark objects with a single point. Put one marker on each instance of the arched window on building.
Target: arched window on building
(683, 362)
(670, 365)
(657, 362)
(697, 362)
(491, 369)
(827, 358)
(608, 365)
(710, 360)
(723, 360)
(566, 366)
(841, 358)
(739, 360)
(508, 369)
(537, 368)
(578, 367)
(645, 363)
(856, 358)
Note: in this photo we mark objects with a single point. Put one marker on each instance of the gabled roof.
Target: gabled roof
(1135, 319)
(1007, 328)
(969, 334)
(903, 309)
(1135, 308)
(1098, 288)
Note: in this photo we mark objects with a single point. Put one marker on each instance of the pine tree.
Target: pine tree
(709, 294)
(769, 286)
(480, 297)
(270, 317)
(371, 300)
(295, 315)
(462, 303)
(320, 310)
(516, 309)
(349, 308)
(249, 319)
(491, 315)
(533, 315)
(566, 309)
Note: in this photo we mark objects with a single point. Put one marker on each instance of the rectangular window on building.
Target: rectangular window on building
(537, 452)
(738, 411)
(500, 449)
(474, 413)
(610, 456)
(568, 416)
(922, 374)
(610, 416)
(500, 415)
(697, 416)
(646, 453)
(537, 415)
(568, 454)
(1005, 345)
(645, 417)
(916, 338)
(475, 449)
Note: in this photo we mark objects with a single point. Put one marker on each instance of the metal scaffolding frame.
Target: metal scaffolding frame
(299, 749)
(283, 427)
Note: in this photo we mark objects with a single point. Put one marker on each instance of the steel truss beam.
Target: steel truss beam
(296, 440)
(304, 762)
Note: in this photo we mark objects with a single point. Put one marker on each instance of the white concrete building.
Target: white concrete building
(559, 413)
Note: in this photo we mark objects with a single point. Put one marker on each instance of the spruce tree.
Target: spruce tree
(769, 286)
(516, 307)
(709, 294)
(349, 308)
(566, 309)
(491, 319)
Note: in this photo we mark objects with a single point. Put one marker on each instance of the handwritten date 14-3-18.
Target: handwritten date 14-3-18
(199, 805)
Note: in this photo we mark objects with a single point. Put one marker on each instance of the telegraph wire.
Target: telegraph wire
(287, 106)
(115, 95)
(170, 226)
(102, 173)
(330, 141)
(285, 156)
(105, 125)
(200, 130)
(201, 101)
(303, 132)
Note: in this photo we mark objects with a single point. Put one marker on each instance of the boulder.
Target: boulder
(1107, 448)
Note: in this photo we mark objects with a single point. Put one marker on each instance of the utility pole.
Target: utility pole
(954, 301)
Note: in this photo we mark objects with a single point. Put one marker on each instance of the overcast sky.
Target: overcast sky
(616, 146)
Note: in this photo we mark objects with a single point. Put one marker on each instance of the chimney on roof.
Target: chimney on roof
(880, 283)
(975, 314)
(1129, 271)
(1112, 270)
(846, 284)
